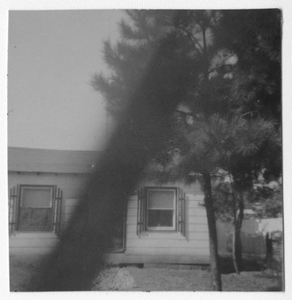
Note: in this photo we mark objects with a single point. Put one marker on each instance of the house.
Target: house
(163, 224)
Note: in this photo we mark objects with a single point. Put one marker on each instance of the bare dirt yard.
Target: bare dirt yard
(168, 278)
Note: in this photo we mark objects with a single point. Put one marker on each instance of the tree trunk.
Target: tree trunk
(237, 246)
(269, 251)
(213, 244)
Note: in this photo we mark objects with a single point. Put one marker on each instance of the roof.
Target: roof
(51, 161)
(249, 212)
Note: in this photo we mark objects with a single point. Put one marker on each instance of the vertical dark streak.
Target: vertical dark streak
(140, 134)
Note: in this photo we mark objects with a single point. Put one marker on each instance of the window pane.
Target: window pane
(159, 218)
(160, 199)
(36, 197)
(24, 217)
(35, 219)
(41, 217)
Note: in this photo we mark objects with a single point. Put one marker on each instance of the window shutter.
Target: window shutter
(58, 210)
(13, 201)
(181, 212)
(140, 212)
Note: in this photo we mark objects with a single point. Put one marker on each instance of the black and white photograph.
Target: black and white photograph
(145, 150)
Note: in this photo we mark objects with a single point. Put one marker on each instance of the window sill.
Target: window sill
(158, 234)
(116, 251)
(33, 234)
(161, 230)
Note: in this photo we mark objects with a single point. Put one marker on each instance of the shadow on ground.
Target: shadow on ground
(255, 277)
(249, 265)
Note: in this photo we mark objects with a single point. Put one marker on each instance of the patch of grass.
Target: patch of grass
(22, 270)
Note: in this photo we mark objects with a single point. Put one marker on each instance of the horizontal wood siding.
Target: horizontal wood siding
(170, 247)
(33, 243)
(166, 259)
(166, 243)
(193, 220)
(202, 236)
(166, 251)
(122, 258)
(39, 242)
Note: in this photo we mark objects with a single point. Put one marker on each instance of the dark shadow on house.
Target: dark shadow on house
(141, 132)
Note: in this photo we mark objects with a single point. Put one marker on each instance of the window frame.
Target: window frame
(173, 228)
(48, 228)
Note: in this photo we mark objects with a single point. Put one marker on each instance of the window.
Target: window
(161, 206)
(36, 208)
(161, 209)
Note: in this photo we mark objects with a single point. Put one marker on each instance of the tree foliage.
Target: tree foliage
(255, 37)
(229, 117)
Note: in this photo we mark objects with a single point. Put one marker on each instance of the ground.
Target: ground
(168, 278)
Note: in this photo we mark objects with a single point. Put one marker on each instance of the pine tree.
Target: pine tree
(255, 37)
(221, 122)
(193, 33)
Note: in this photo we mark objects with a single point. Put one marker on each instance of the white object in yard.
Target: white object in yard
(270, 226)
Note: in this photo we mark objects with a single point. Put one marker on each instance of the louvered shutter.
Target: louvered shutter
(58, 210)
(181, 212)
(13, 201)
(141, 211)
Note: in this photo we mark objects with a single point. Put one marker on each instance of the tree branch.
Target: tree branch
(221, 62)
(214, 19)
(190, 35)
(249, 112)
(194, 40)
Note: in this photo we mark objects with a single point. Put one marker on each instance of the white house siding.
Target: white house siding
(32, 242)
(148, 247)
(170, 247)
(71, 186)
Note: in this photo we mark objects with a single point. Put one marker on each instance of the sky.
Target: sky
(52, 56)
